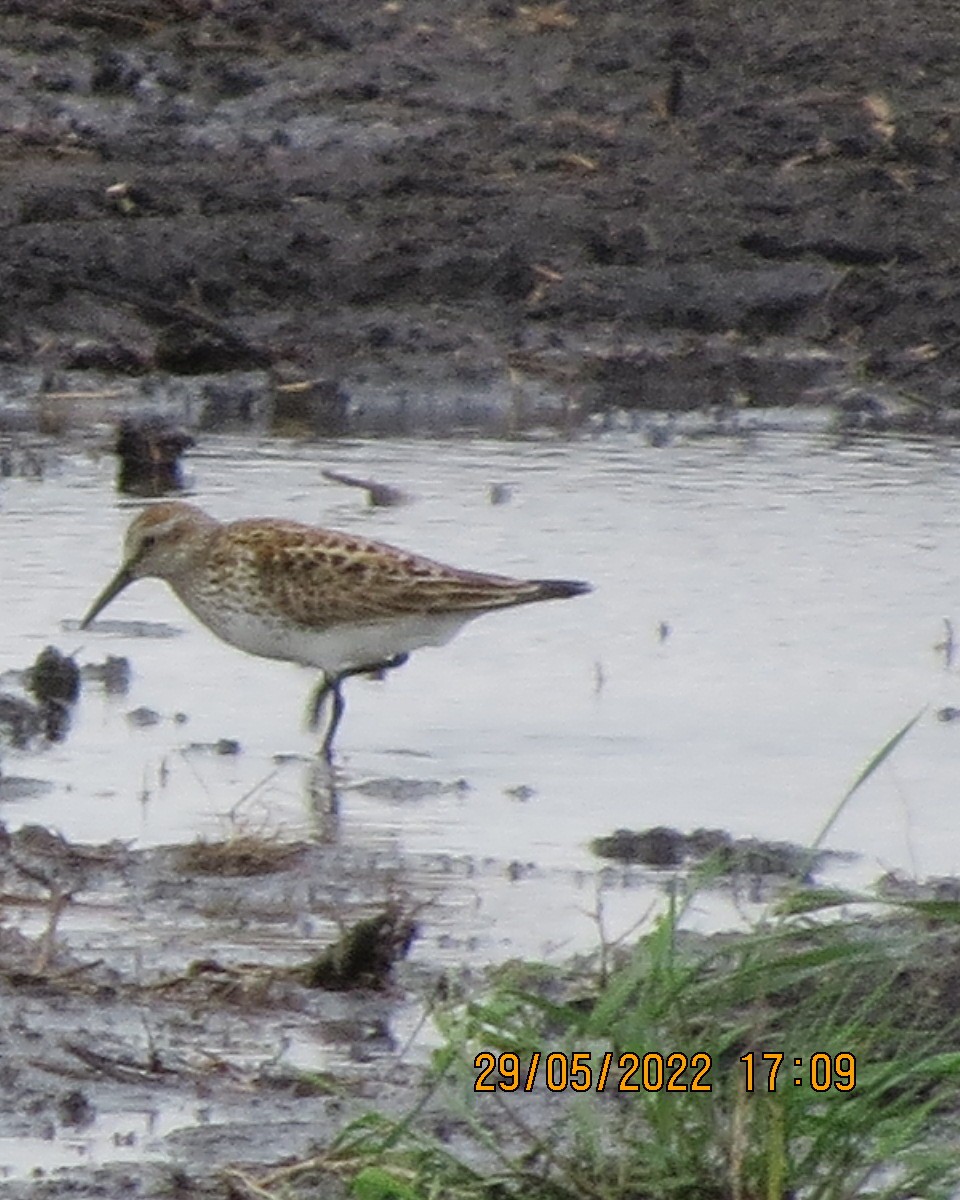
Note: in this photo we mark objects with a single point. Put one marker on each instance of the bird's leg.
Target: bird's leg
(317, 700)
(331, 685)
(339, 704)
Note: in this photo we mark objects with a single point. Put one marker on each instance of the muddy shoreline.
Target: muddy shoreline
(658, 206)
(158, 1007)
(160, 1023)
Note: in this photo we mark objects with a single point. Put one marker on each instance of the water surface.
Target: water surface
(765, 616)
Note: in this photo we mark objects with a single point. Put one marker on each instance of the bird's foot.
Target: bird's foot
(379, 670)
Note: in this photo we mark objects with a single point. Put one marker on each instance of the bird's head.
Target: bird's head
(159, 543)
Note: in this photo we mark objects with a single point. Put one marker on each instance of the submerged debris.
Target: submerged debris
(20, 721)
(399, 790)
(54, 677)
(379, 495)
(947, 646)
(364, 955)
(114, 673)
(149, 450)
(75, 1110)
(54, 682)
(662, 846)
(64, 868)
(21, 787)
(657, 847)
(143, 717)
(225, 747)
(34, 856)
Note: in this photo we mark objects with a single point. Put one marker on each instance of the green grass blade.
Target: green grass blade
(873, 765)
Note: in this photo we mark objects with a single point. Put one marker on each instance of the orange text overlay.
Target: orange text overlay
(584, 1071)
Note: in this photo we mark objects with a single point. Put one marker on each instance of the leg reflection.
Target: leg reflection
(323, 798)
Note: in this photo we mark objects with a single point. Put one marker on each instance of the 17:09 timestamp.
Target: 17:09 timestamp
(822, 1072)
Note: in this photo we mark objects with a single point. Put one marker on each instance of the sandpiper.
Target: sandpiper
(279, 589)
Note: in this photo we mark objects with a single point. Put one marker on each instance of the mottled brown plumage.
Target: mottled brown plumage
(331, 600)
(318, 578)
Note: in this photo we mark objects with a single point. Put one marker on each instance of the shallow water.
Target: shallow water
(804, 587)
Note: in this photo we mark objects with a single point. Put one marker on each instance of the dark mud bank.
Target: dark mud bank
(478, 213)
(183, 1040)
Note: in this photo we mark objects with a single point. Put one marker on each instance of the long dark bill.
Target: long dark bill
(122, 579)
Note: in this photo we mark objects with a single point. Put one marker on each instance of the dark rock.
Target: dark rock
(703, 842)
(185, 348)
(75, 1110)
(149, 450)
(115, 74)
(665, 847)
(233, 403)
(143, 717)
(20, 721)
(659, 846)
(54, 678)
(751, 856)
(230, 79)
(116, 674)
(859, 410)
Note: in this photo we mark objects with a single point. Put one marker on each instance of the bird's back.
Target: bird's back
(319, 578)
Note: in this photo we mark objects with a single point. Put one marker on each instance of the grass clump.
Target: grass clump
(244, 853)
(365, 953)
(860, 1015)
(858, 1003)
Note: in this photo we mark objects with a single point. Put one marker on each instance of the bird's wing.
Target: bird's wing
(319, 578)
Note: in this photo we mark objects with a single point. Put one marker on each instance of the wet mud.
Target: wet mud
(198, 1017)
(421, 216)
(167, 999)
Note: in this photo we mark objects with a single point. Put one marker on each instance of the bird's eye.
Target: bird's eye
(148, 541)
